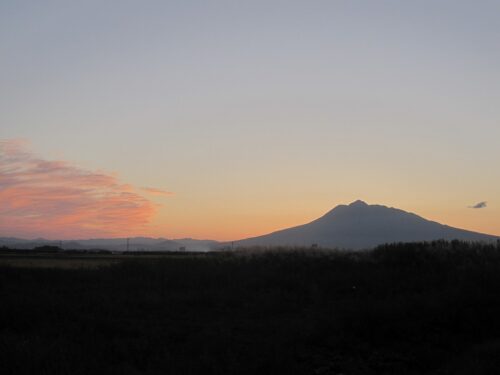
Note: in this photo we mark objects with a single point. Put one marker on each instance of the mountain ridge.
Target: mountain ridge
(357, 225)
(139, 243)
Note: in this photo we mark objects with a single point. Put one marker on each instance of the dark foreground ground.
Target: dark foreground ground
(403, 309)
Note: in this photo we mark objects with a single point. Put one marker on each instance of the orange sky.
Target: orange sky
(56, 199)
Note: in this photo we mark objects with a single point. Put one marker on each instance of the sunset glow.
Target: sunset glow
(225, 120)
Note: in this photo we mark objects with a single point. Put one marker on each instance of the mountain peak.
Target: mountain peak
(358, 203)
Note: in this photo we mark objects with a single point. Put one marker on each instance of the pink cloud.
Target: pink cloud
(55, 199)
(158, 192)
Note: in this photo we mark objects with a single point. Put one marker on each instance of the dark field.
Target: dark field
(404, 309)
(75, 260)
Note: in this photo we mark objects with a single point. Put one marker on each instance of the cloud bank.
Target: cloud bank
(479, 205)
(54, 199)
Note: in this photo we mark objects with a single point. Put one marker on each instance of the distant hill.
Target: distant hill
(192, 244)
(113, 244)
(359, 225)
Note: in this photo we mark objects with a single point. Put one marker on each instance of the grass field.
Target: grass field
(26, 259)
(405, 309)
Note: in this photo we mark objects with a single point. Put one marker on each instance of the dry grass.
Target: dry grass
(70, 261)
(57, 263)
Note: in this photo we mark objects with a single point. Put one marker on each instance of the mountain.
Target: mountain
(354, 226)
(359, 225)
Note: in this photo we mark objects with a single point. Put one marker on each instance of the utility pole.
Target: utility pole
(128, 244)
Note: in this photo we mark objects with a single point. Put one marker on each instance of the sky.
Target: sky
(228, 119)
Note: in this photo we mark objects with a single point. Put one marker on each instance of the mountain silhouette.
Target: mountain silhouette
(359, 225)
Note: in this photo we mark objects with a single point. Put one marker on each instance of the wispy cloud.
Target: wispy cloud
(479, 205)
(55, 199)
(158, 192)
